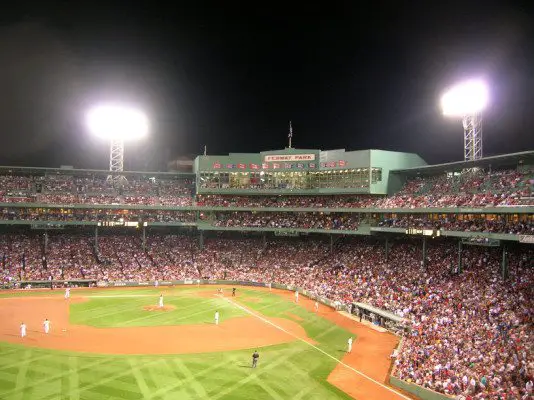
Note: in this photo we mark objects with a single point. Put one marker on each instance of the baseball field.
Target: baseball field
(119, 344)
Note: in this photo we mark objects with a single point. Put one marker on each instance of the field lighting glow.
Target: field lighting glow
(117, 122)
(466, 98)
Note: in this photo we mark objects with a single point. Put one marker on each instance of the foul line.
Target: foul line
(316, 348)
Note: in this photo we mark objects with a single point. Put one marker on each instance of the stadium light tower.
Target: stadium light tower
(117, 124)
(468, 100)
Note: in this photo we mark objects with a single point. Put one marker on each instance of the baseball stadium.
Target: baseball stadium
(362, 274)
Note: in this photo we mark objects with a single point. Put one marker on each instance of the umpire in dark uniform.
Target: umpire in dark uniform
(255, 357)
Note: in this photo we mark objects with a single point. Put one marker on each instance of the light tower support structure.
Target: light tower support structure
(116, 160)
(472, 136)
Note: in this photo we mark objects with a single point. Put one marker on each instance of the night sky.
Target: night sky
(349, 74)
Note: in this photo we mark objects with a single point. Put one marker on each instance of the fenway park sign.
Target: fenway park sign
(289, 157)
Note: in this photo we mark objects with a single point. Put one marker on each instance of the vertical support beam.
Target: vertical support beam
(46, 242)
(264, 239)
(96, 238)
(424, 253)
(201, 240)
(144, 238)
(460, 256)
(387, 249)
(504, 265)
(331, 243)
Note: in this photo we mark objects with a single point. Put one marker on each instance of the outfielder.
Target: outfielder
(22, 330)
(296, 296)
(349, 345)
(216, 317)
(46, 326)
(316, 306)
(160, 301)
(67, 293)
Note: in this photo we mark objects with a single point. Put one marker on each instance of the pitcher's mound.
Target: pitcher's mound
(158, 308)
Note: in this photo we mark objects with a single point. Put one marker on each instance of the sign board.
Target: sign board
(289, 157)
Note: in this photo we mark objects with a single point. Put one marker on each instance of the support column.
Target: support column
(424, 253)
(264, 239)
(504, 265)
(387, 249)
(96, 238)
(144, 238)
(331, 243)
(201, 240)
(460, 256)
(46, 242)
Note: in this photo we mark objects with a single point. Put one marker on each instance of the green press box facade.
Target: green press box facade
(303, 171)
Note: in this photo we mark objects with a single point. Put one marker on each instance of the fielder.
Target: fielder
(270, 285)
(296, 296)
(67, 293)
(46, 326)
(349, 345)
(216, 317)
(156, 284)
(316, 306)
(160, 301)
(22, 330)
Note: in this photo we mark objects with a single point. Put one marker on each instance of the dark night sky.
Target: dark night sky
(349, 74)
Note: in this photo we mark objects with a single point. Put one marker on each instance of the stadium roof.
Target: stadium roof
(502, 160)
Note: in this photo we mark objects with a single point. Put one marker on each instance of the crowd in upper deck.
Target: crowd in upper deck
(470, 189)
(65, 189)
(471, 331)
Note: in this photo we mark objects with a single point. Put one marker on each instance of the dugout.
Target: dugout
(380, 317)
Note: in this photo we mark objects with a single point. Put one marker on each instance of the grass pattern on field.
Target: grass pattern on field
(289, 371)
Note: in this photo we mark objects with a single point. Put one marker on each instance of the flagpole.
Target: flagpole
(205, 149)
(290, 136)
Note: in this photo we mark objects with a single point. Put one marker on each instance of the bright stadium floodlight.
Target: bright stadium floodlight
(468, 100)
(117, 124)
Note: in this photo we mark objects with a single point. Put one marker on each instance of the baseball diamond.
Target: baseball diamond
(104, 344)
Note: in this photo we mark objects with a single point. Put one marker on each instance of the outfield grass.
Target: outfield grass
(289, 371)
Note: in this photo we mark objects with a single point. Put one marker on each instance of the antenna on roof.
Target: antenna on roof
(205, 149)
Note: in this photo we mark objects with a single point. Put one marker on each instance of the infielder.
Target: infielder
(296, 296)
(22, 330)
(160, 301)
(349, 345)
(46, 326)
(270, 285)
(316, 306)
(216, 317)
(156, 284)
(67, 293)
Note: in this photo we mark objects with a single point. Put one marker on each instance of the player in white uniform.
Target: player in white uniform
(156, 284)
(270, 285)
(161, 301)
(349, 345)
(67, 293)
(46, 326)
(22, 330)
(216, 317)
(316, 306)
(296, 296)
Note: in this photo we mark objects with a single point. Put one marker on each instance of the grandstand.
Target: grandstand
(446, 248)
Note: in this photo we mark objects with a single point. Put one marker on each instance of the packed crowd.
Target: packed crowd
(288, 220)
(452, 222)
(65, 189)
(471, 331)
(95, 215)
(471, 189)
